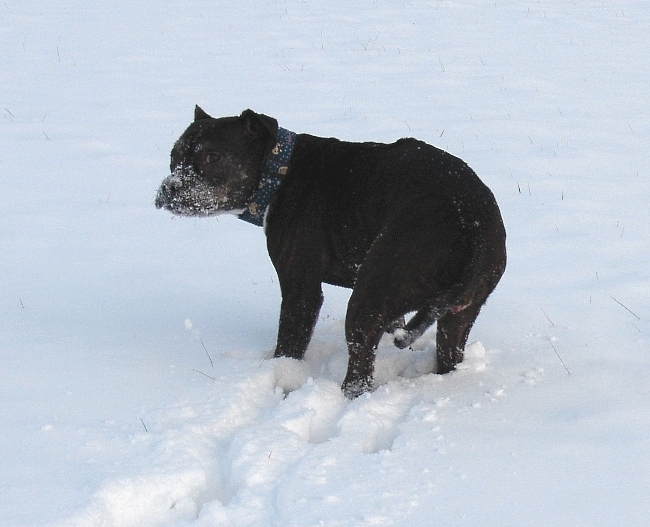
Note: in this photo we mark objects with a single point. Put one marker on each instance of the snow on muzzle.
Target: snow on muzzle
(168, 187)
(186, 194)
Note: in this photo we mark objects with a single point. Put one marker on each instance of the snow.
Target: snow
(135, 385)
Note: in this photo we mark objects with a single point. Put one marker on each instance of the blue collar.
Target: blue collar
(275, 168)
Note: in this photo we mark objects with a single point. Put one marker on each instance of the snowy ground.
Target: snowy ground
(134, 386)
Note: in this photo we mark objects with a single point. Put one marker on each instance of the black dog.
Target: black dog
(408, 227)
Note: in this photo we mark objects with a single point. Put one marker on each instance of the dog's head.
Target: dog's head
(216, 164)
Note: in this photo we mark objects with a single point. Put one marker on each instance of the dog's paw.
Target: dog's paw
(402, 338)
(353, 389)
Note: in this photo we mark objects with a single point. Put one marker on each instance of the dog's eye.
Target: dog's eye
(212, 157)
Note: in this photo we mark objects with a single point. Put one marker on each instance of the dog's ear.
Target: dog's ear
(200, 114)
(260, 124)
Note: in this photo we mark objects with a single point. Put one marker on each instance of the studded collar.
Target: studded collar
(275, 168)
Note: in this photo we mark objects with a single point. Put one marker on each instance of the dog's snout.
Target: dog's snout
(174, 183)
(168, 187)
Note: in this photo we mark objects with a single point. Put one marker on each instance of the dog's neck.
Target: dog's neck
(274, 170)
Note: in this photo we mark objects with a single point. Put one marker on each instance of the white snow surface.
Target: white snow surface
(135, 386)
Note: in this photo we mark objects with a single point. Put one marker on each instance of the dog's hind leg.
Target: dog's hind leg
(451, 337)
(369, 315)
(365, 324)
(404, 270)
(419, 323)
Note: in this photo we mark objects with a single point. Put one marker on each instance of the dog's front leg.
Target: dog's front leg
(298, 316)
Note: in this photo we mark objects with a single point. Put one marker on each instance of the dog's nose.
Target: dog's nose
(170, 185)
(174, 183)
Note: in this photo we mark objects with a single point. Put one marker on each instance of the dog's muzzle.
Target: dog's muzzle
(168, 188)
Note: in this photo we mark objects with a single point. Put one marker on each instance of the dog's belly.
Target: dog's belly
(341, 277)
(342, 263)
(345, 250)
